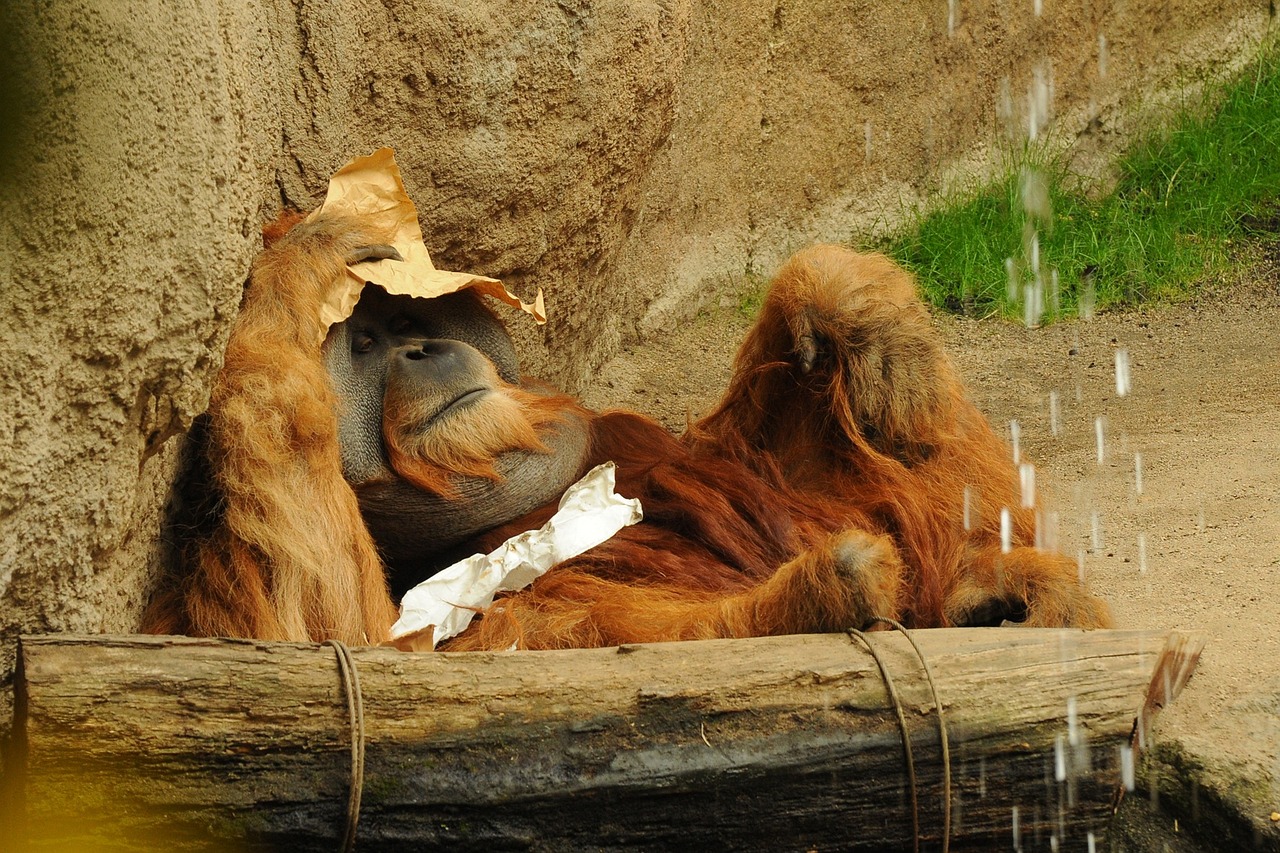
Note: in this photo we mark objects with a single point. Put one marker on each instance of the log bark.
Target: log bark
(785, 743)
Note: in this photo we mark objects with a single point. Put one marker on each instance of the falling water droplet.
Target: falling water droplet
(1095, 531)
(1047, 531)
(1099, 425)
(1039, 101)
(1137, 473)
(982, 777)
(1055, 415)
(1055, 293)
(1035, 194)
(1142, 553)
(1059, 760)
(1102, 56)
(1200, 525)
(1015, 438)
(1080, 565)
(1017, 829)
(1073, 722)
(1004, 106)
(1011, 281)
(1006, 530)
(1027, 479)
(1081, 765)
(1088, 299)
(951, 17)
(968, 507)
(1033, 118)
(1038, 7)
(1122, 372)
(1033, 303)
(1126, 766)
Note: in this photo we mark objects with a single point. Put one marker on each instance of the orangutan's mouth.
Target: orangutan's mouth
(466, 398)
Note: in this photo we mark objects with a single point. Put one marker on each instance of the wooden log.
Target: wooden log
(784, 743)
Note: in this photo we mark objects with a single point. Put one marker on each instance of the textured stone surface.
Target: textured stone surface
(629, 157)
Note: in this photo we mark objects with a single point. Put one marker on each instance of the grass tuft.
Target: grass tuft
(1183, 194)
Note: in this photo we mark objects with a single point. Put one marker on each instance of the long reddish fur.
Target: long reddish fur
(290, 558)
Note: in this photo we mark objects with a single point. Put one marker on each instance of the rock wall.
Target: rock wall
(629, 156)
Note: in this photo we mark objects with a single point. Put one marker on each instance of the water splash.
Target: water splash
(1122, 372)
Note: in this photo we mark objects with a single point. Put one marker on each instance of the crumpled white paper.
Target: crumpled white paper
(589, 513)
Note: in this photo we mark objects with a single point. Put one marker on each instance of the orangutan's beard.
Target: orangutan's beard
(433, 449)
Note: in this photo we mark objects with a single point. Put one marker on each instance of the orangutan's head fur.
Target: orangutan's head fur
(897, 381)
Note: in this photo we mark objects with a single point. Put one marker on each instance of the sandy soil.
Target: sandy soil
(1192, 542)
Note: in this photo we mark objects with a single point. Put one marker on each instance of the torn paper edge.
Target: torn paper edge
(372, 190)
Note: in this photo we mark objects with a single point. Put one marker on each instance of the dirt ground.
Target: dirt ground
(1187, 538)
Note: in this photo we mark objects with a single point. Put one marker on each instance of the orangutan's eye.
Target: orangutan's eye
(362, 344)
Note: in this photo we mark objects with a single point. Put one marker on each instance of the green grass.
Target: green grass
(1210, 177)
